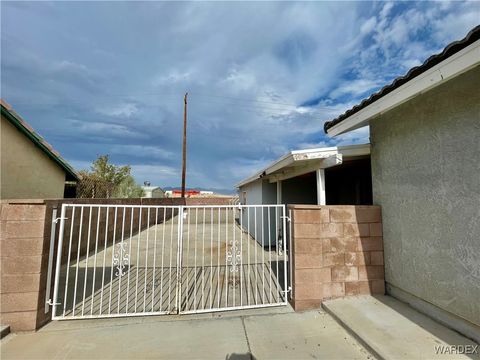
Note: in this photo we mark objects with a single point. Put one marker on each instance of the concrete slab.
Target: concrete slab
(308, 335)
(131, 320)
(393, 330)
(261, 335)
(153, 340)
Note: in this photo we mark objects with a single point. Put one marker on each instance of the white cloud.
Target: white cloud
(157, 174)
(173, 77)
(358, 136)
(387, 8)
(239, 81)
(121, 110)
(453, 26)
(314, 145)
(354, 88)
(65, 65)
(103, 130)
(368, 25)
(151, 152)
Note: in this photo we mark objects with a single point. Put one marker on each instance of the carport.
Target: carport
(323, 176)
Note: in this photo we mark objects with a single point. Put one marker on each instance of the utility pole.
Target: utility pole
(184, 160)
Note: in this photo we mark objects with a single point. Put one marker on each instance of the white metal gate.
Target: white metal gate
(130, 260)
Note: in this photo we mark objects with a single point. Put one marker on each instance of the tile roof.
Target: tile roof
(433, 60)
(17, 121)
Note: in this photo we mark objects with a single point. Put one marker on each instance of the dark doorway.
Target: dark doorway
(349, 183)
(300, 189)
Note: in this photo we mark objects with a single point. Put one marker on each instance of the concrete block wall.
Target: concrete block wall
(23, 258)
(337, 252)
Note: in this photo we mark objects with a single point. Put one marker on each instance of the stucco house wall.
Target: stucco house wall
(26, 171)
(426, 177)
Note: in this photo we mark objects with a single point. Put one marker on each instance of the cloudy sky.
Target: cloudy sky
(109, 77)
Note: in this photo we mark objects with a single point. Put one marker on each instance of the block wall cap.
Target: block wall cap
(314, 207)
(22, 201)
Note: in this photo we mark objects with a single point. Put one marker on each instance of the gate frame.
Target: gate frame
(179, 264)
(286, 259)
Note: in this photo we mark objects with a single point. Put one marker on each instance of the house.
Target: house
(153, 192)
(425, 160)
(30, 167)
(334, 175)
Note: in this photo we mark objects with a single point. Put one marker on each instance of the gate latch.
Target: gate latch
(59, 218)
(51, 303)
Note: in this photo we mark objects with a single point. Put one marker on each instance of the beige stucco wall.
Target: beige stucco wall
(26, 171)
(426, 177)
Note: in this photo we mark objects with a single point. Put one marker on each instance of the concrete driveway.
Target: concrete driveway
(276, 333)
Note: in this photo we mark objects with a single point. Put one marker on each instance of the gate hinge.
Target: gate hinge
(51, 303)
(59, 218)
(289, 289)
(286, 217)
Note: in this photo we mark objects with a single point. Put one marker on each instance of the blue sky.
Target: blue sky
(109, 77)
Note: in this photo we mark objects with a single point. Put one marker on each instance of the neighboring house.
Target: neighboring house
(425, 154)
(333, 176)
(30, 167)
(153, 192)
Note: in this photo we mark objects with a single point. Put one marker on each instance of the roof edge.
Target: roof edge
(17, 121)
(451, 49)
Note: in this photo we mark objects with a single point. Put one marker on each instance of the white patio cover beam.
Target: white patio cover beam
(330, 161)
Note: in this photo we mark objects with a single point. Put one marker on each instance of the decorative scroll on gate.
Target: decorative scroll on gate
(121, 259)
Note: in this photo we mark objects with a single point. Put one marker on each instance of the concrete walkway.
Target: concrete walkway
(276, 333)
(391, 329)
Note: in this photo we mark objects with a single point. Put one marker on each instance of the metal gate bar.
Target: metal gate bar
(132, 260)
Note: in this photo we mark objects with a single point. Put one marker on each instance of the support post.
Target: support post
(279, 192)
(59, 260)
(321, 197)
(50, 261)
